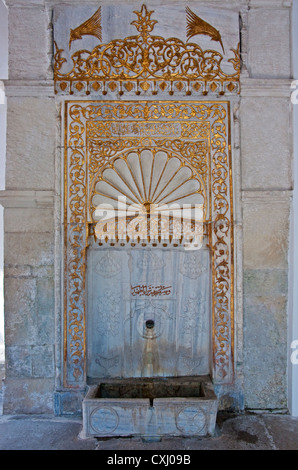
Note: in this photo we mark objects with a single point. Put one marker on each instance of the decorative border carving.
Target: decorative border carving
(78, 169)
(145, 63)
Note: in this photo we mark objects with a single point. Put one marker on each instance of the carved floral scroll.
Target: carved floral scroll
(146, 62)
(97, 133)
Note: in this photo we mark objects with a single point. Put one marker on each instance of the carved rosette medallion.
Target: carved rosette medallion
(104, 420)
(191, 420)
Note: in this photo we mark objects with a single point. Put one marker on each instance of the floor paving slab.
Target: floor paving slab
(245, 431)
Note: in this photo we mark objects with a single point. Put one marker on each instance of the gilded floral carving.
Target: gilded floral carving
(146, 63)
(207, 153)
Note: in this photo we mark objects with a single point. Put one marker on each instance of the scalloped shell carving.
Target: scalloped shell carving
(146, 180)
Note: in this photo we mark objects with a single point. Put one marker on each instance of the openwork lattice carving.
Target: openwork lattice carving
(144, 63)
(92, 141)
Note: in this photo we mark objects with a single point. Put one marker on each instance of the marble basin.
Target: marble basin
(150, 407)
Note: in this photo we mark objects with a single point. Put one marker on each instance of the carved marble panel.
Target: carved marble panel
(150, 316)
(91, 147)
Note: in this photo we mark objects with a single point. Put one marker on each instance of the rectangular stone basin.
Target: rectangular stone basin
(150, 407)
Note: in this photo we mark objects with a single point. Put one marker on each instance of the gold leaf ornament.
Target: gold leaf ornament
(91, 27)
(145, 59)
(195, 26)
(144, 24)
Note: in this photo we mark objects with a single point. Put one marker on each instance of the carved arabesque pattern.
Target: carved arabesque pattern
(81, 166)
(146, 62)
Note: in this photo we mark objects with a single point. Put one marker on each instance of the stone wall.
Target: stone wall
(266, 159)
(29, 255)
(262, 156)
(29, 241)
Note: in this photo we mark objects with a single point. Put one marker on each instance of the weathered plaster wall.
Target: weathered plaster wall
(262, 161)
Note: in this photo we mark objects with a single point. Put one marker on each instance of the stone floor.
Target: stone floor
(247, 431)
(234, 432)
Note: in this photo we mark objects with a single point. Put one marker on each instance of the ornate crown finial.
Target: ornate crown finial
(144, 24)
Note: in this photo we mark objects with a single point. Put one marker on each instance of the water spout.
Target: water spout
(150, 358)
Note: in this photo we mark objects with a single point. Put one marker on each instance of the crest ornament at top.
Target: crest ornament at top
(146, 63)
